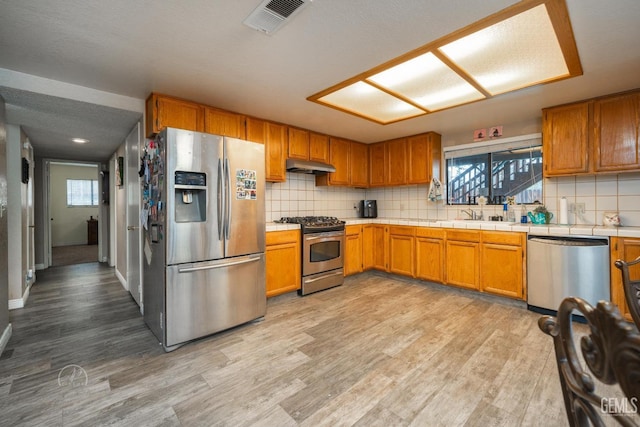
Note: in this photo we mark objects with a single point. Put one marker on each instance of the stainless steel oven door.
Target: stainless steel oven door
(322, 252)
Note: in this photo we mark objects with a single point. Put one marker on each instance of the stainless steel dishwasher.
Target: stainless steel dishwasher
(562, 266)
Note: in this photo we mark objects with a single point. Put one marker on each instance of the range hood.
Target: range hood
(306, 166)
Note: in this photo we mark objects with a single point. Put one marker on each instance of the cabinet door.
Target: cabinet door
(430, 259)
(282, 262)
(380, 247)
(368, 248)
(626, 249)
(378, 165)
(565, 139)
(353, 250)
(164, 111)
(359, 164)
(616, 143)
(501, 270)
(274, 137)
(423, 157)
(225, 123)
(298, 144)
(339, 158)
(318, 147)
(397, 161)
(463, 264)
(401, 250)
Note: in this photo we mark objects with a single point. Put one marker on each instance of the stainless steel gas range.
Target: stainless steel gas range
(322, 252)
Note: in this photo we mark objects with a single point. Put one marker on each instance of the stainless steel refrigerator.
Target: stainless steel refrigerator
(203, 216)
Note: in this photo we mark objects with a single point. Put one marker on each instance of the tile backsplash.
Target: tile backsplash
(299, 196)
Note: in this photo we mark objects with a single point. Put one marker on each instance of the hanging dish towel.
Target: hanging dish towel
(435, 190)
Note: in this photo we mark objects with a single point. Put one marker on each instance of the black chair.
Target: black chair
(611, 351)
(631, 288)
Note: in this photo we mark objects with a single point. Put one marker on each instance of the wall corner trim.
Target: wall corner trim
(122, 280)
(4, 339)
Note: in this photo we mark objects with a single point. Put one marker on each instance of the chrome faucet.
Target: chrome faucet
(473, 214)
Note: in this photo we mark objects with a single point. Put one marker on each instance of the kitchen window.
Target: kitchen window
(82, 192)
(495, 170)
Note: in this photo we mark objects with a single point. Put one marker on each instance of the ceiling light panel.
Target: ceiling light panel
(518, 52)
(362, 99)
(428, 82)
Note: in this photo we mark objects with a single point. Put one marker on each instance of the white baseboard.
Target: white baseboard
(122, 280)
(4, 339)
(20, 302)
(39, 266)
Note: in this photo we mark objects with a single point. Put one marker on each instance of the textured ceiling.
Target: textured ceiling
(200, 50)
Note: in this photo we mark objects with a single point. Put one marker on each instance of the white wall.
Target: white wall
(69, 225)
(119, 200)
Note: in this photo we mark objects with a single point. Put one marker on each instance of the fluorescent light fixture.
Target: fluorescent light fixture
(523, 45)
(80, 140)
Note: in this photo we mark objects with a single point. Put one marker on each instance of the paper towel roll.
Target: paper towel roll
(563, 217)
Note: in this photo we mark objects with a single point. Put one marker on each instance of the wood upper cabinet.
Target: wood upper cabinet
(318, 147)
(430, 254)
(298, 144)
(282, 255)
(353, 250)
(423, 158)
(225, 123)
(274, 137)
(359, 165)
(616, 126)
(378, 164)
(599, 135)
(565, 139)
(397, 161)
(463, 258)
(339, 157)
(502, 266)
(402, 250)
(626, 249)
(164, 111)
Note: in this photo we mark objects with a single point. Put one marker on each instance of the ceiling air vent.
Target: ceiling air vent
(270, 15)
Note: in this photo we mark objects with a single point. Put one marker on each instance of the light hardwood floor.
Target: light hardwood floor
(377, 351)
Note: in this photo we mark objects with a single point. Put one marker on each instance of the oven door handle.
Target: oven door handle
(335, 273)
(324, 237)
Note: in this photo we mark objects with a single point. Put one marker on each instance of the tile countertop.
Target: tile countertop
(274, 226)
(550, 229)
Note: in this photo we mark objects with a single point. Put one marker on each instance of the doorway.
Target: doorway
(74, 199)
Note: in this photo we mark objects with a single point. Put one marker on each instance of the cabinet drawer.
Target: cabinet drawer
(351, 230)
(402, 230)
(504, 238)
(434, 233)
(463, 235)
(279, 237)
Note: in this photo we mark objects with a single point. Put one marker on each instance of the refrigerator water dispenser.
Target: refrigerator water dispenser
(190, 197)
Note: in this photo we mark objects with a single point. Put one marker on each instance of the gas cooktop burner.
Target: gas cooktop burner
(314, 223)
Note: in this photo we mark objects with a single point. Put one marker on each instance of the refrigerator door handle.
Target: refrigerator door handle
(220, 200)
(212, 267)
(227, 221)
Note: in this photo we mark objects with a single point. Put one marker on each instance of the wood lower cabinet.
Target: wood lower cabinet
(430, 252)
(274, 136)
(353, 250)
(225, 123)
(282, 262)
(503, 266)
(165, 111)
(463, 258)
(626, 249)
(402, 250)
